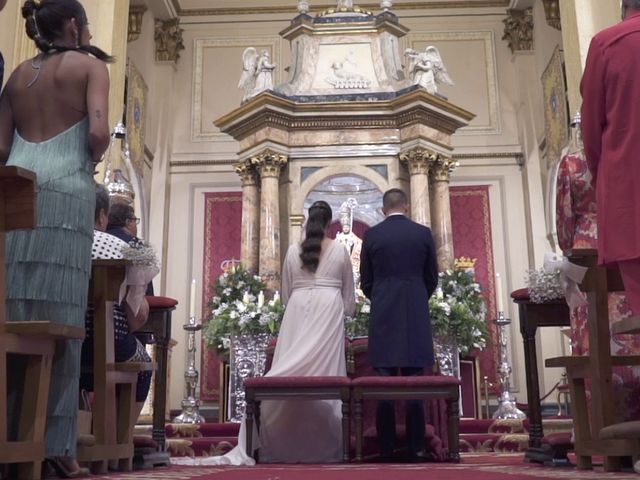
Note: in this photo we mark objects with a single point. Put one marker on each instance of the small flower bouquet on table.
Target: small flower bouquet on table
(239, 307)
(458, 310)
(544, 285)
(143, 267)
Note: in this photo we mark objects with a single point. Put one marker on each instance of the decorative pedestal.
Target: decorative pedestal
(507, 408)
(248, 358)
(447, 356)
(191, 404)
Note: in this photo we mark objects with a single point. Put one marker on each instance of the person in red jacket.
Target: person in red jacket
(610, 124)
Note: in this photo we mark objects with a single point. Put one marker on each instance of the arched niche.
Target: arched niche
(335, 184)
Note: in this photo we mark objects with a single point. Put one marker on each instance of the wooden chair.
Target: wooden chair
(591, 437)
(35, 339)
(114, 384)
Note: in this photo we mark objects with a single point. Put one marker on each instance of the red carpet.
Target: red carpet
(473, 467)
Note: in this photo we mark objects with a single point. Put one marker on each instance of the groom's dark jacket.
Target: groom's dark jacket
(398, 273)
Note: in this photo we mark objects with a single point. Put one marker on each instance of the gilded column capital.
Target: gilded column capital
(418, 160)
(441, 168)
(168, 37)
(269, 163)
(518, 29)
(552, 13)
(247, 173)
(134, 29)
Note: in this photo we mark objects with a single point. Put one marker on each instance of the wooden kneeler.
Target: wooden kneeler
(114, 415)
(35, 340)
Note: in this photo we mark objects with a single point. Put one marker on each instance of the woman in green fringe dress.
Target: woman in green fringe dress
(53, 121)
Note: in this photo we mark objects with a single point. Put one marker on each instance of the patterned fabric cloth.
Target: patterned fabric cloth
(127, 348)
(576, 226)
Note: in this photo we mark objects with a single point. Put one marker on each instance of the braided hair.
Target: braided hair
(45, 21)
(320, 215)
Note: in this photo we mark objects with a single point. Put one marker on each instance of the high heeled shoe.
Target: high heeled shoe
(62, 470)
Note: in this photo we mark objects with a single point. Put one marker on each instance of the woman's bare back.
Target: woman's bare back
(48, 94)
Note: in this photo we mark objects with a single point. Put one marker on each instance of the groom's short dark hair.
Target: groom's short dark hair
(394, 199)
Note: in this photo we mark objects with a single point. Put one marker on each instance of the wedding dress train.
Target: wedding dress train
(310, 343)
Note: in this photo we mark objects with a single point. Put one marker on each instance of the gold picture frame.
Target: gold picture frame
(135, 117)
(556, 116)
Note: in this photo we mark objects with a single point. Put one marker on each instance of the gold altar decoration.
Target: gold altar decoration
(556, 121)
(136, 116)
(134, 29)
(465, 263)
(552, 13)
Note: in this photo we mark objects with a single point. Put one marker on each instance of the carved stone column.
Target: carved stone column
(269, 164)
(417, 161)
(440, 170)
(250, 216)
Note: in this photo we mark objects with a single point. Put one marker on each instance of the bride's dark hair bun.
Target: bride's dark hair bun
(320, 215)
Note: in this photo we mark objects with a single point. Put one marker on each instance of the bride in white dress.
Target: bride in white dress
(318, 291)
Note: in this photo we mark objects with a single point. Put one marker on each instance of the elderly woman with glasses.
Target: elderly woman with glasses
(123, 224)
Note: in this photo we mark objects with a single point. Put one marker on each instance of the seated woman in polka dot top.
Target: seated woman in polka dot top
(127, 348)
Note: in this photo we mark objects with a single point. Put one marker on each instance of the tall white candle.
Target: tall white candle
(260, 299)
(276, 297)
(192, 301)
(499, 305)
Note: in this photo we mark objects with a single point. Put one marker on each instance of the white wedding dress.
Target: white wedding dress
(310, 343)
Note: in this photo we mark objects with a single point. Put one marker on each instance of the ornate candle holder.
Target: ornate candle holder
(191, 404)
(507, 408)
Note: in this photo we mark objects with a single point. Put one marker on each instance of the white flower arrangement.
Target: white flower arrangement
(140, 253)
(239, 307)
(458, 310)
(143, 267)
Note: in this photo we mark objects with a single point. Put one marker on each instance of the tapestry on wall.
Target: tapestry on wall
(556, 117)
(222, 239)
(471, 225)
(135, 117)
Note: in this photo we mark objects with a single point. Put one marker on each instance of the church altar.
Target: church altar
(350, 123)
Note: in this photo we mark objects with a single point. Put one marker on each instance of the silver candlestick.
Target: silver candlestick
(507, 408)
(191, 404)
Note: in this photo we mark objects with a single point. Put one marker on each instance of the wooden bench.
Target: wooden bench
(591, 419)
(296, 388)
(35, 340)
(409, 388)
(114, 384)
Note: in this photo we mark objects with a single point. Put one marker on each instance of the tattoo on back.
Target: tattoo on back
(98, 114)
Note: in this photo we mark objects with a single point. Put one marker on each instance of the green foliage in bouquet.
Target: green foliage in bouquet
(358, 325)
(238, 307)
(458, 309)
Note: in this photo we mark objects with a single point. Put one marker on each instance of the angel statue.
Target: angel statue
(257, 73)
(427, 69)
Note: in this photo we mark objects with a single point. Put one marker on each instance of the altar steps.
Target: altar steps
(476, 435)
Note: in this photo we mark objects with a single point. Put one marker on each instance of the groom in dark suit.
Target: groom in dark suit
(399, 272)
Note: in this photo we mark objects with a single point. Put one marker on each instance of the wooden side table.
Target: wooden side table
(533, 315)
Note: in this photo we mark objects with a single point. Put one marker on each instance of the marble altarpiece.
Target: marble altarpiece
(350, 123)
